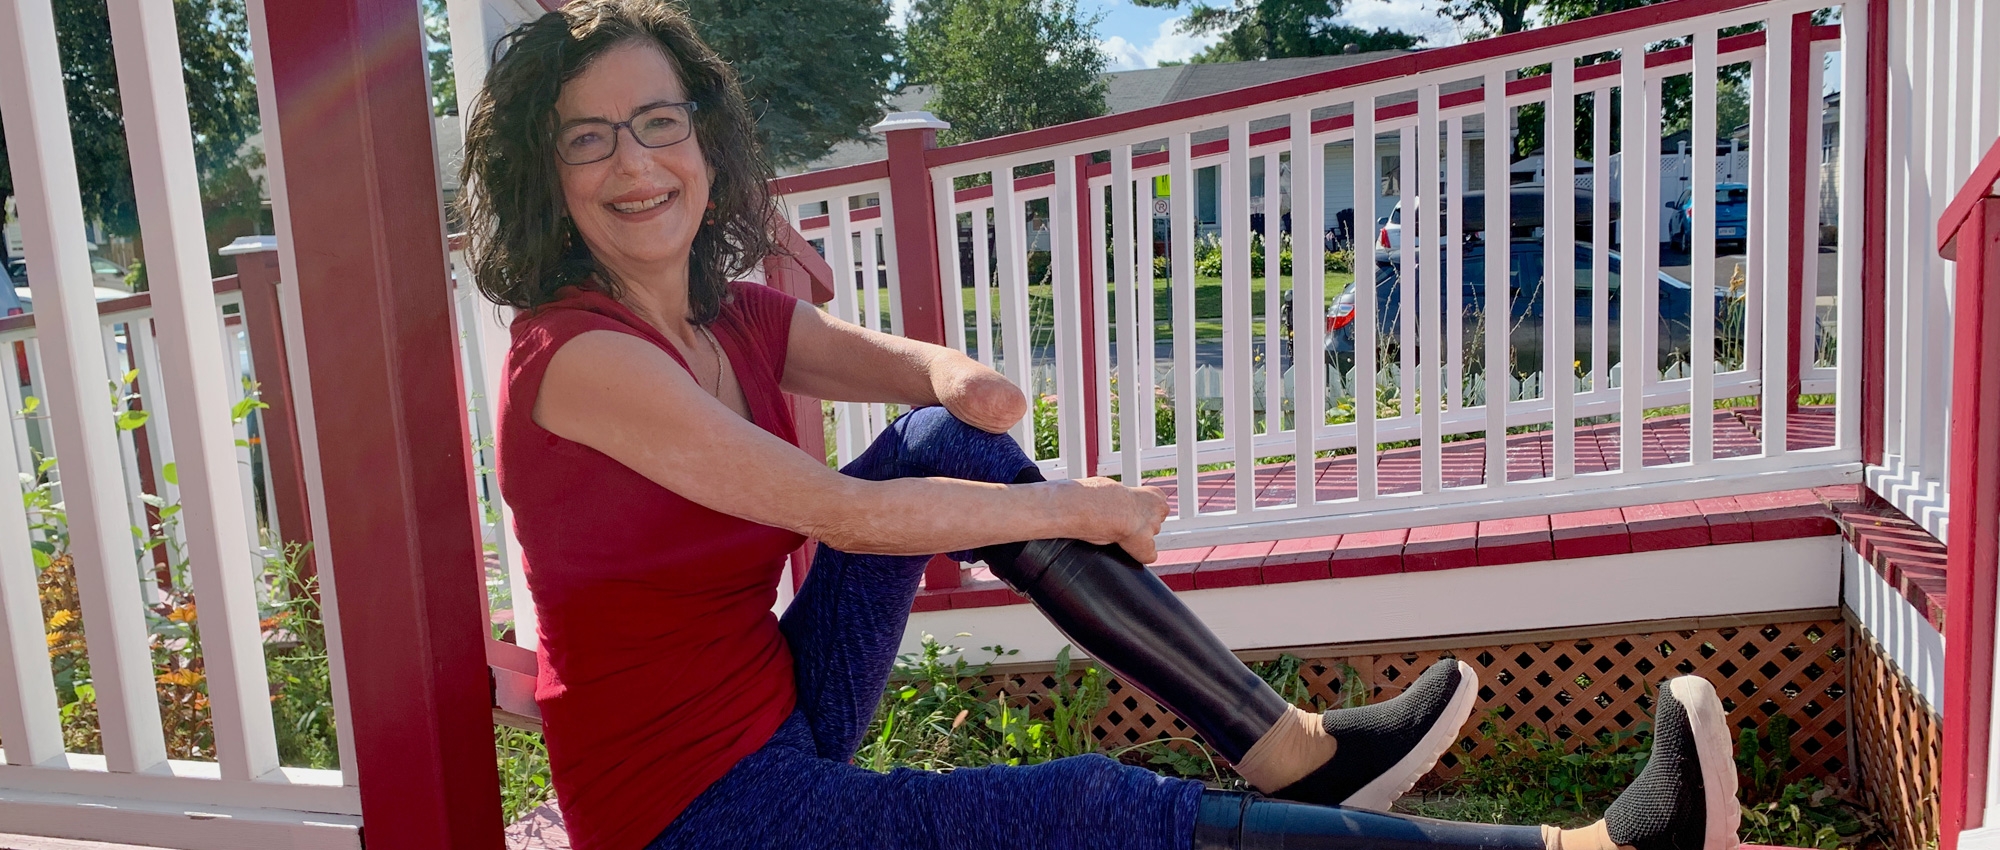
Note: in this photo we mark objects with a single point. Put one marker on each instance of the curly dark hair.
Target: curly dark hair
(520, 246)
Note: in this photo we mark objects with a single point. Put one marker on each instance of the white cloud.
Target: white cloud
(1417, 17)
(1168, 45)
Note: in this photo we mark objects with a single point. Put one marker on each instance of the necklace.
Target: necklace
(717, 349)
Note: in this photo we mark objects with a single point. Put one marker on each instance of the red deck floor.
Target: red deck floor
(1529, 456)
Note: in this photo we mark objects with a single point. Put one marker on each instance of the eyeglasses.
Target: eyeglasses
(657, 126)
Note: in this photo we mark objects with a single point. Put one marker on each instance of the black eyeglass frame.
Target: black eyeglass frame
(626, 125)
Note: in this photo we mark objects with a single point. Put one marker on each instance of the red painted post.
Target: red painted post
(1804, 203)
(1087, 262)
(257, 278)
(914, 221)
(1874, 238)
(803, 274)
(366, 234)
(1973, 551)
(913, 211)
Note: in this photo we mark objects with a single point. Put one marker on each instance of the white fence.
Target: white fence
(1093, 319)
(185, 361)
(1944, 110)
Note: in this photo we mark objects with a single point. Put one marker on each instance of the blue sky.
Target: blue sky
(1135, 37)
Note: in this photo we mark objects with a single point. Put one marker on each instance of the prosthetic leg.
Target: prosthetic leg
(1123, 616)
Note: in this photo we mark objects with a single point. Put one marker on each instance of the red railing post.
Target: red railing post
(1085, 275)
(1972, 551)
(1804, 203)
(1874, 238)
(348, 127)
(263, 323)
(799, 271)
(913, 226)
(913, 222)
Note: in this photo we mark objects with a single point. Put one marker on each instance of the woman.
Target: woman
(615, 191)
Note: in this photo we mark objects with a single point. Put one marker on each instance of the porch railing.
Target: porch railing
(1089, 335)
(175, 359)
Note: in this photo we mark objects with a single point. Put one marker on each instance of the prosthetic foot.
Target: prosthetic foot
(1383, 749)
(1128, 620)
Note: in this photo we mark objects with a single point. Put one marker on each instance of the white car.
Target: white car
(103, 293)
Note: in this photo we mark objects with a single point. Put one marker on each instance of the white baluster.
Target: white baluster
(1186, 406)
(1776, 142)
(51, 216)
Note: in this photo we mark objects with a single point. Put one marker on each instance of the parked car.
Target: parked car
(1732, 217)
(1524, 218)
(1525, 310)
(103, 273)
(26, 298)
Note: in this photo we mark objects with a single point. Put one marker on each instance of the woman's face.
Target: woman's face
(637, 210)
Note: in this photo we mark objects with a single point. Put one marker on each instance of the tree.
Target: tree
(1005, 66)
(222, 101)
(1279, 29)
(437, 53)
(1499, 16)
(815, 72)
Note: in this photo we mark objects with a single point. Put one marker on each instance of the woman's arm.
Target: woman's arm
(625, 397)
(831, 359)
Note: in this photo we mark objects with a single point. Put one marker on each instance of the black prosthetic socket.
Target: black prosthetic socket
(1126, 619)
(1232, 820)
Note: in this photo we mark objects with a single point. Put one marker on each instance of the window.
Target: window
(1392, 176)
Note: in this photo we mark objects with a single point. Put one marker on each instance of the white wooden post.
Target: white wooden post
(51, 215)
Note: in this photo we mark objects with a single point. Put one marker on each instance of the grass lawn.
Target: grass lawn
(1207, 306)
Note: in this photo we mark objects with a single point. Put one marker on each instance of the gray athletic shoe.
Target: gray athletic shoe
(1685, 799)
(1381, 750)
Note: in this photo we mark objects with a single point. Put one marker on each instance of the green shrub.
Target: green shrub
(524, 772)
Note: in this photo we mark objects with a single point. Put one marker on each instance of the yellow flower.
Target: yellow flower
(61, 618)
(183, 677)
(183, 614)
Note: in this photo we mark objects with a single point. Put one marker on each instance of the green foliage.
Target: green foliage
(524, 771)
(295, 661)
(1047, 443)
(1286, 675)
(935, 715)
(806, 96)
(1005, 66)
(1497, 16)
(1278, 29)
(437, 55)
(222, 101)
(1547, 782)
(1801, 814)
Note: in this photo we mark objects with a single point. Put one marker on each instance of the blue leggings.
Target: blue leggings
(799, 790)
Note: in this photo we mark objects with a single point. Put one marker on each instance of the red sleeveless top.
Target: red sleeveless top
(661, 664)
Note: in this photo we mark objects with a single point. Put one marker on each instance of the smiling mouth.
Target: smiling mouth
(649, 203)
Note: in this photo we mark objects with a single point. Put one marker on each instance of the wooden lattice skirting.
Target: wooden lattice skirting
(1897, 747)
(1572, 687)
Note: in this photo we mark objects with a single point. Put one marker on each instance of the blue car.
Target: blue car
(1732, 217)
(1525, 309)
